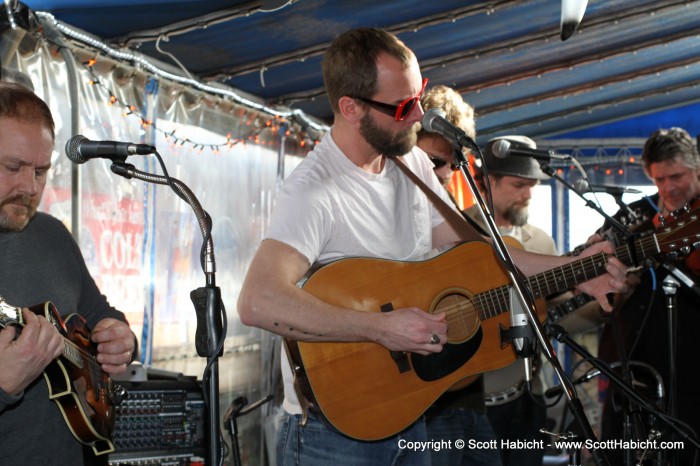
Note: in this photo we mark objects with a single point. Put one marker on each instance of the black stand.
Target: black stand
(526, 321)
(234, 411)
(556, 331)
(670, 286)
(570, 435)
(207, 303)
(632, 424)
(544, 166)
(629, 216)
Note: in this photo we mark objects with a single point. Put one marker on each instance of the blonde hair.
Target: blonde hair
(457, 111)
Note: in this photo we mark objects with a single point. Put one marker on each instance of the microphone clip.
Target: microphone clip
(525, 333)
(521, 334)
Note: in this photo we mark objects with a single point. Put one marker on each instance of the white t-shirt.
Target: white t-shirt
(330, 208)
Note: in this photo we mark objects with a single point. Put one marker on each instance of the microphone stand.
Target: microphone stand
(525, 299)
(544, 166)
(630, 215)
(207, 303)
(556, 331)
(682, 277)
(632, 422)
(670, 286)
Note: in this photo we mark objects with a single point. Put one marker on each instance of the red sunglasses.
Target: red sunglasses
(399, 112)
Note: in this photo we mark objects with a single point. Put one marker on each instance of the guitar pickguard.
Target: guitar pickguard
(453, 356)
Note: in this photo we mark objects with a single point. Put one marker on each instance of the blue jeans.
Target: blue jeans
(461, 424)
(316, 444)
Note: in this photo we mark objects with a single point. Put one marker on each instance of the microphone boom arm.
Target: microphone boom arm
(128, 171)
(544, 166)
(211, 319)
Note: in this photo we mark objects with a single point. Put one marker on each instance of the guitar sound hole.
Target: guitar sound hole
(462, 317)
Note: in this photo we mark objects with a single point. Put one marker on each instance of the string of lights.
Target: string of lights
(274, 124)
(128, 56)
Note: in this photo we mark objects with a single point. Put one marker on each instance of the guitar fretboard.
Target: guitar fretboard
(497, 301)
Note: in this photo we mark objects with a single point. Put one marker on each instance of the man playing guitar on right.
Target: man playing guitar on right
(670, 158)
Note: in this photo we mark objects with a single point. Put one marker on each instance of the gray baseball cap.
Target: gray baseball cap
(513, 165)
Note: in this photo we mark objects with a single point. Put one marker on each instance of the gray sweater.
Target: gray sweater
(43, 263)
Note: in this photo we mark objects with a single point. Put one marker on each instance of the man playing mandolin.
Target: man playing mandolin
(348, 198)
(41, 262)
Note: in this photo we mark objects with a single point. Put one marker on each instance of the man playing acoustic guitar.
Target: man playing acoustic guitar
(41, 262)
(348, 198)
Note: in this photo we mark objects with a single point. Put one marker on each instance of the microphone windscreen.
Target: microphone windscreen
(73, 149)
(429, 118)
(501, 148)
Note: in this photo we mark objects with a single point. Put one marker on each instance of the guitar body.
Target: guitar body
(369, 393)
(83, 392)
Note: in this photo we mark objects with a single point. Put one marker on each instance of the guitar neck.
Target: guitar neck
(557, 280)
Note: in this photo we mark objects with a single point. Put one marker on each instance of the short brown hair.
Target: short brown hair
(350, 63)
(669, 145)
(18, 102)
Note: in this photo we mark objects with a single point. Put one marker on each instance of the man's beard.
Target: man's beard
(516, 215)
(384, 142)
(11, 223)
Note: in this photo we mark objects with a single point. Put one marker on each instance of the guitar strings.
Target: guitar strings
(494, 302)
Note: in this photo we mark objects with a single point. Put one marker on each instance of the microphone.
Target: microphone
(434, 121)
(502, 148)
(583, 186)
(521, 335)
(80, 149)
(682, 277)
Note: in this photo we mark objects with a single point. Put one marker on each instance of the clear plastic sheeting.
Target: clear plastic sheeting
(141, 242)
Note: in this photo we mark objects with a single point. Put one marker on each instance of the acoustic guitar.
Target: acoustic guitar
(367, 392)
(84, 393)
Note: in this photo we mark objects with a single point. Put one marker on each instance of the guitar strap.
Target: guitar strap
(458, 223)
